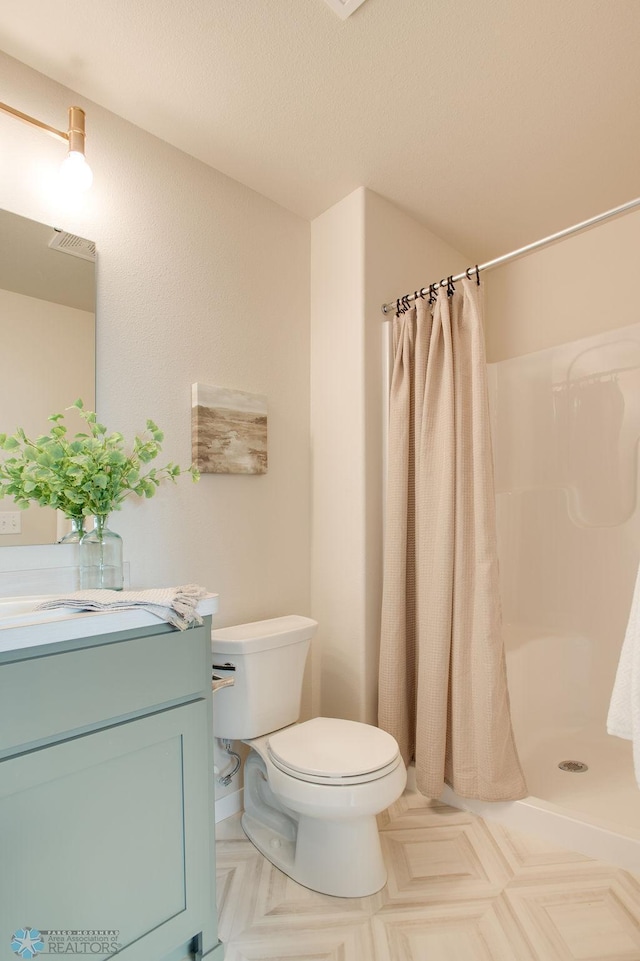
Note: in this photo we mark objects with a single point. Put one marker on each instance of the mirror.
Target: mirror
(47, 345)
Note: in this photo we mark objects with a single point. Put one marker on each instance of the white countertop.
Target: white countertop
(21, 626)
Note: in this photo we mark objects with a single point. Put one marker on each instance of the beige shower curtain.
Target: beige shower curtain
(443, 691)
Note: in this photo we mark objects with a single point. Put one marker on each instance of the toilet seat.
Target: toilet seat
(329, 750)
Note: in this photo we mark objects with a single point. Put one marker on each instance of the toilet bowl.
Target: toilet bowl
(312, 790)
(316, 820)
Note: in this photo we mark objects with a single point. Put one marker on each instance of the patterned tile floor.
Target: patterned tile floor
(459, 889)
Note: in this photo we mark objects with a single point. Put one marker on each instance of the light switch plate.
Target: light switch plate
(10, 522)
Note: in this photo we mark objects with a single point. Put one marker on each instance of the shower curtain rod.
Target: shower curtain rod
(475, 269)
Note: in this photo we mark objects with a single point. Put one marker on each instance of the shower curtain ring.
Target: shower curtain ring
(450, 288)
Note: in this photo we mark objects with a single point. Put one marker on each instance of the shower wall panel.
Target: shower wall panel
(566, 424)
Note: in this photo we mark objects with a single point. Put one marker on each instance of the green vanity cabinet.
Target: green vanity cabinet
(106, 796)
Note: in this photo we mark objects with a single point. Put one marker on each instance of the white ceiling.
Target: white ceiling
(494, 123)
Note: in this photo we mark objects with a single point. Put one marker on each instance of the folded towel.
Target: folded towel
(175, 605)
(624, 709)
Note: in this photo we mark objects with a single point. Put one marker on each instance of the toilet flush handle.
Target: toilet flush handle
(217, 682)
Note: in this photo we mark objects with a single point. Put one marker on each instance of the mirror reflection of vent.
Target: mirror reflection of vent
(344, 8)
(71, 244)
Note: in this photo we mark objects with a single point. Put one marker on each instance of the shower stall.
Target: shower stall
(565, 427)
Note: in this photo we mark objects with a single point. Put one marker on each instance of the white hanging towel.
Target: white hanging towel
(624, 709)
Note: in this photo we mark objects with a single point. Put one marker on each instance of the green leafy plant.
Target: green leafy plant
(90, 474)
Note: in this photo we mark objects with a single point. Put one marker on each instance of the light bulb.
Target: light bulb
(75, 172)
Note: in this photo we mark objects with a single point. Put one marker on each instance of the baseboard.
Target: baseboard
(229, 805)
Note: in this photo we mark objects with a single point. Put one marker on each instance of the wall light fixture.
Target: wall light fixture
(75, 171)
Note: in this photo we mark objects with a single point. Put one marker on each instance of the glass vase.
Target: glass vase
(74, 536)
(100, 556)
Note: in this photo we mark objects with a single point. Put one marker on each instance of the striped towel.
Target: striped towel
(175, 605)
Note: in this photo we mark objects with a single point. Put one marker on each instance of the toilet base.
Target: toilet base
(324, 837)
(340, 858)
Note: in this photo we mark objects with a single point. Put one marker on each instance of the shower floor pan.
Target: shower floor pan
(607, 791)
(595, 812)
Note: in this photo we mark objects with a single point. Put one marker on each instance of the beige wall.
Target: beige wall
(364, 252)
(580, 286)
(337, 457)
(47, 342)
(199, 279)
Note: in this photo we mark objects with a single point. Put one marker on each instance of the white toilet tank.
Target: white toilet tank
(266, 659)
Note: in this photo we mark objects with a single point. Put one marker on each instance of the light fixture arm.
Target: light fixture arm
(75, 165)
(59, 134)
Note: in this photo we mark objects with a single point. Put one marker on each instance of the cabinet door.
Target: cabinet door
(108, 832)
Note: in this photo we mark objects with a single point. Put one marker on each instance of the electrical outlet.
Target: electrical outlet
(10, 522)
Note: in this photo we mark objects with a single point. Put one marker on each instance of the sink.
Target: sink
(22, 612)
(10, 606)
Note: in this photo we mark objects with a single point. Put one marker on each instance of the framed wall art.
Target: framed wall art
(228, 431)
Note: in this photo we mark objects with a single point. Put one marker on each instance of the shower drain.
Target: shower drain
(575, 767)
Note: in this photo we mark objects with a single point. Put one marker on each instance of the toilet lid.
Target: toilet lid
(327, 747)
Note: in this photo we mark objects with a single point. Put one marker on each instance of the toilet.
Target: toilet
(312, 790)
